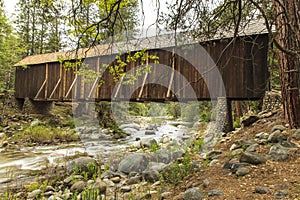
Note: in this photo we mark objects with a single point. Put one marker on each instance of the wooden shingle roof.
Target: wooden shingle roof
(161, 41)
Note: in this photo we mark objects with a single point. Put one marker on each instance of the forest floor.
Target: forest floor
(280, 179)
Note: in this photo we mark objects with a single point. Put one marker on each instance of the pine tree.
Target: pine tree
(41, 24)
(10, 51)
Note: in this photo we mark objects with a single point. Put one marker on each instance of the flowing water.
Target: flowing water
(17, 165)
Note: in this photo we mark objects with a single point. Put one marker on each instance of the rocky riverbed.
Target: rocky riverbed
(116, 167)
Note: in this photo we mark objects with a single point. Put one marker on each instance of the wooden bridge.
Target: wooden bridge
(192, 71)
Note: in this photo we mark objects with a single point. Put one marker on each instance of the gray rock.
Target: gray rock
(129, 131)
(193, 194)
(125, 189)
(148, 142)
(215, 192)
(133, 126)
(262, 190)
(214, 154)
(81, 164)
(152, 127)
(278, 127)
(262, 135)
(34, 194)
(165, 195)
(165, 139)
(236, 152)
(48, 194)
(133, 180)
(296, 135)
(213, 162)
(69, 179)
(162, 156)
(116, 179)
(78, 186)
(205, 182)
(281, 194)
(276, 136)
(252, 148)
(100, 186)
(252, 158)
(151, 176)
(49, 188)
(278, 153)
(35, 122)
(242, 171)
(248, 120)
(133, 163)
(149, 132)
(2, 135)
(157, 166)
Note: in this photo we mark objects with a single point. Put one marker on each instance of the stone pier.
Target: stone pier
(224, 115)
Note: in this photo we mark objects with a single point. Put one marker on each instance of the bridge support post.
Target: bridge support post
(224, 115)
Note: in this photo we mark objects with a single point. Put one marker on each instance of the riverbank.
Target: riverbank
(167, 160)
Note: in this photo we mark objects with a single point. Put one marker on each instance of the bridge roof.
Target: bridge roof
(255, 27)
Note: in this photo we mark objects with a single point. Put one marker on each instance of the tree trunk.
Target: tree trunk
(288, 37)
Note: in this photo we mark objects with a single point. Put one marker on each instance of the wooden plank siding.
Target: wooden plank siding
(242, 63)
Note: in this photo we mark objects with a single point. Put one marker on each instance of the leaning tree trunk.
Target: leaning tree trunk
(287, 14)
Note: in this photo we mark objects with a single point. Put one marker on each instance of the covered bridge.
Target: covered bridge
(236, 69)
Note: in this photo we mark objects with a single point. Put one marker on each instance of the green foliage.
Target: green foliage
(138, 109)
(176, 171)
(44, 134)
(90, 194)
(140, 57)
(174, 109)
(197, 144)
(154, 147)
(236, 123)
(156, 109)
(95, 21)
(39, 24)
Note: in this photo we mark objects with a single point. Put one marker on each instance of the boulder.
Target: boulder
(242, 171)
(100, 186)
(296, 135)
(148, 142)
(276, 136)
(162, 156)
(252, 148)
(129, 131)
(151, 175)
(133, 126)
(81, 164)
(262, 190)
(252, 158)
(133, 163)
(193, 194)
(215, 192)
(248, 120)
(279, 153)
(278, 127)
(78, 186)
(149, 132)
(35, 194)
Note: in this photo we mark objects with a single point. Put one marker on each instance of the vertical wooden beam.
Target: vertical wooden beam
(47, 84)
(172, 75)
(145, 77)
(64, 83)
